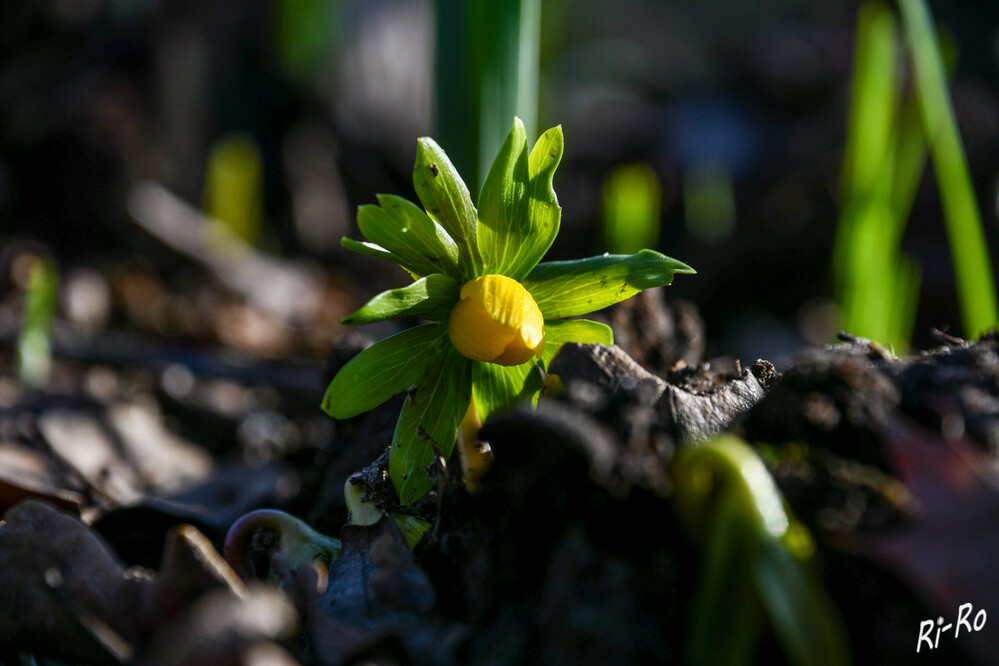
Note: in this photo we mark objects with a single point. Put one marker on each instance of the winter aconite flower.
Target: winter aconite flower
(496, 317)
(496, 320)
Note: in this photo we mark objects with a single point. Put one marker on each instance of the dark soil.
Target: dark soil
(571, 551)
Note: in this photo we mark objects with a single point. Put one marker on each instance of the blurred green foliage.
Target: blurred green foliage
(877, 284)
(487, 73)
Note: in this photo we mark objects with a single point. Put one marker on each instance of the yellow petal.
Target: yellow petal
(497, 321)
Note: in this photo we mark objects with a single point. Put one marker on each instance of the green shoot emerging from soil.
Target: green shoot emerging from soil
(756, 562)
(496, 316)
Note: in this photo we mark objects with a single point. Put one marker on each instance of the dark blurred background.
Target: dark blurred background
(739, 109)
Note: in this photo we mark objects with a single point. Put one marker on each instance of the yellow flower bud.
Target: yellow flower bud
(497, 321)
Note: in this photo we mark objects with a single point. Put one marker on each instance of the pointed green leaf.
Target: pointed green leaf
(383, 370)
(560, 331)
(384, 230)
(412, 233)
(446, 199)
(568, 288)
(431, 297)
(503, 204)
(373, 250)
(428, 423)
(497, 388)
(543, 211)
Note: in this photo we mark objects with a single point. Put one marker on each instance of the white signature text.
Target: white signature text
(930, 630)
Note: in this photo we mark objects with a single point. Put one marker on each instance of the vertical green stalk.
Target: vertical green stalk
(972, 266)
(487, 73)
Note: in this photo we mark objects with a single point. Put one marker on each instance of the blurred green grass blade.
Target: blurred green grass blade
(34, 347)
(872, 101)
(728, 500)
(883, 162)
(507, 34)
(860, 253)
(972, 266)
(632, 200)
(909, 161)
(907, 281)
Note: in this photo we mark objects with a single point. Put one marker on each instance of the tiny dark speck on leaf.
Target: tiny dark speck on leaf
(433, 169)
